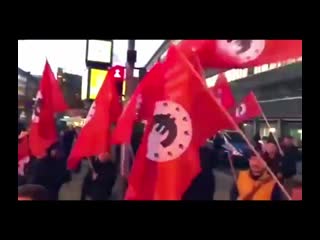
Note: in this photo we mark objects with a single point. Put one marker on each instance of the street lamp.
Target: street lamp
(130, 86)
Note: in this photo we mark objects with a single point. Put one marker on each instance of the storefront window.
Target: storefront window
(248, 129)
(293, 129)
(265, 131)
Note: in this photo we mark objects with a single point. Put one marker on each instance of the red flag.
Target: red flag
(23, 152)
(117, 79)
(184, 116)
(223, 92)
(49, 100)
(23, 147)
(241, 53)
(136, 109)
(249, 108)
(94, 137)
(297, 194)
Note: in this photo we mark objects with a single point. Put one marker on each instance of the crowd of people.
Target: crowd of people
(43, 178)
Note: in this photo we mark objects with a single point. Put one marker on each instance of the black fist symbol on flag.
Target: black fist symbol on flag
(243, 50)
(166, 124)
(241, 110)
(171, 132)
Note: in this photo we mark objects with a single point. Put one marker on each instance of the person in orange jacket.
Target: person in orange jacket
(256, 183)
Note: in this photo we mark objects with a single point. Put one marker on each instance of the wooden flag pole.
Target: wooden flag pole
(233, 171)
(268, 125)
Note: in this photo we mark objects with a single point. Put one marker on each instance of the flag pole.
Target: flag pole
(233, 171)
(130, 80)
(266, 165)
(268, 125)
(123, 160)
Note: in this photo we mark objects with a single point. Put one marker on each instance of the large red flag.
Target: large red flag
(184, 116)
(118, 77)
(248, 109)
(94, 137)
(49, 100)
(135, 109)
(223, 92)
(241, 53)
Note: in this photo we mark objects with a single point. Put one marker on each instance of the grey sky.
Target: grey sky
(70, 54)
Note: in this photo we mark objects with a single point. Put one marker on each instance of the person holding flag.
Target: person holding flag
(95, 136)
(94, 140)
(176, 101)
(256, 183)
(48, 102)
(47, 166)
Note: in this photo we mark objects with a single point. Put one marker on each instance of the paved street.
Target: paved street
(223, 185)
(72, 189)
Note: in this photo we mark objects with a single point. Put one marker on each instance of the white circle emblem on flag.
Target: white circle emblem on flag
(91, 112)
(241, 110)
(171, 133)
(242, 50)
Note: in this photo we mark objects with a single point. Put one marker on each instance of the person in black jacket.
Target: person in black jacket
(99, 181)
(67, 140)
(289, 161)
(203, 186)
(49, 171)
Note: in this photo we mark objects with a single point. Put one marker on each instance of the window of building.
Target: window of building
(248, 129)
(293, 129)
(265, 131)
(235, 74)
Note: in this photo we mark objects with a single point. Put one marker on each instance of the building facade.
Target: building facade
(278, 88)
(27, 89)
(71, 87)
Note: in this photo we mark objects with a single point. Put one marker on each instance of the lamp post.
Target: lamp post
(130, 81)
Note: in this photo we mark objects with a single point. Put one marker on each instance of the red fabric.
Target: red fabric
(23, 148)
(241, 53)
(135, 109)
(118, 73)
(196, 115)
(50, 101)
(116, 77)
(248, 109)
(94, 137)
(223, 92)
(297, 194)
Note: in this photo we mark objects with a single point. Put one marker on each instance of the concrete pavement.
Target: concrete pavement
(224, 184)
